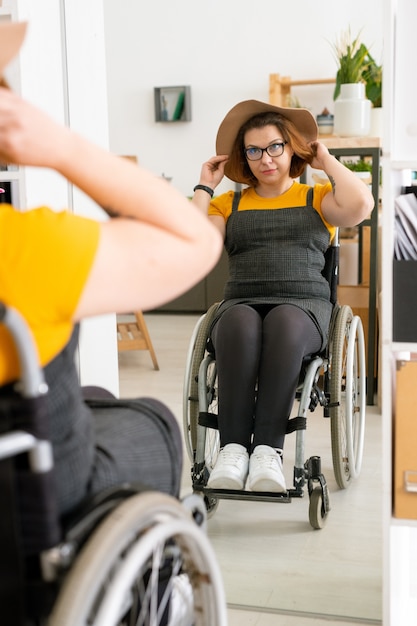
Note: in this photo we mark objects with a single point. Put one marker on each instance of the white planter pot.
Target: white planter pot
(377, 122)
(352, 111)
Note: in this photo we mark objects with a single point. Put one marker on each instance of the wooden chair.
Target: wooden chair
(280, 87)
(135, 336)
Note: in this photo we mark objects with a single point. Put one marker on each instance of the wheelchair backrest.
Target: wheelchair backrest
(29, 521)
(331, 268)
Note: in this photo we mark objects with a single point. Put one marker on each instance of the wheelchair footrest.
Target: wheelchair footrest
(236, 494)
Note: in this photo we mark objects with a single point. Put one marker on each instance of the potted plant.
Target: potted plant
(352, 108)
(361, 168)
(358, 166)
(372, 75)
(352, 59)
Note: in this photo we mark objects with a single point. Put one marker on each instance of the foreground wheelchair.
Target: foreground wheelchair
(335, 379)
(127, 557)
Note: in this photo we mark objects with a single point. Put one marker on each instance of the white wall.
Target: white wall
(62, 70)
(225, 50)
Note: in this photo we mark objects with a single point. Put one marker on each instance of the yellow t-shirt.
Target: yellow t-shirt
(46, 258)
(295, 197)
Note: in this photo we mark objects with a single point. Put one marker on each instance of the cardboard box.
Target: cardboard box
(405, 441)
(404, 298)
(357, 297)
(349, 259)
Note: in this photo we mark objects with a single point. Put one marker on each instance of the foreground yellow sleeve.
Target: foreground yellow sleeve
(46, 259)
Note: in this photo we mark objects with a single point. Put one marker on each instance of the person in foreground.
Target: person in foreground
(276, 308)
(58, 268)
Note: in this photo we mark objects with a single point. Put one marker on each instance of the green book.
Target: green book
(179, 106)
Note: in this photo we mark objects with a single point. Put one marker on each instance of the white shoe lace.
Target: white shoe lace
(269, 461)
(227, 456)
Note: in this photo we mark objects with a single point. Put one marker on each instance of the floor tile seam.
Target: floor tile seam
(305, 614)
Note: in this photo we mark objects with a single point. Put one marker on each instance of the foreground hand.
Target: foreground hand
(27, 135)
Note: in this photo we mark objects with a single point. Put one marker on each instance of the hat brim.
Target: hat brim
(12, 35)
(242, 112)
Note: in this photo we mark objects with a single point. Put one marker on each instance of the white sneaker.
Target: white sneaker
(231, 468)
(182, 602)
(265, 471)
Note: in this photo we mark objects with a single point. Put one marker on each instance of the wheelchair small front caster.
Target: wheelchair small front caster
(211, 504)
(197, 507)
(318, 492)
(319, 506)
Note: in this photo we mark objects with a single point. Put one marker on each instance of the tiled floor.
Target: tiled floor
(276, 569)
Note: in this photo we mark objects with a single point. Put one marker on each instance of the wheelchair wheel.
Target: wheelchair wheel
(207, 433)
(348, 396)
(316, 512)
(191, 404)
(147, 559)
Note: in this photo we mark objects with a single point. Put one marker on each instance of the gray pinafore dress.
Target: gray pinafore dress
(277, 257)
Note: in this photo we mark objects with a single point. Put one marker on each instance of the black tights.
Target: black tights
(264, 346)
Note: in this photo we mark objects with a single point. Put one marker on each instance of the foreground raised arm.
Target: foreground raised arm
(159, 246)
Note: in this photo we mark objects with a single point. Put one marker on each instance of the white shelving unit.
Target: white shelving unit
(12, 174)
(399, 159)
(65, 44)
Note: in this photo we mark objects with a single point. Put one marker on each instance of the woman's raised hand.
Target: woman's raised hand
(212, 171)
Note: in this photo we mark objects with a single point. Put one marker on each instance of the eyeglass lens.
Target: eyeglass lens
(274, 150)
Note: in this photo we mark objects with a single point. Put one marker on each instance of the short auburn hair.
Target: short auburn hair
(303, 153)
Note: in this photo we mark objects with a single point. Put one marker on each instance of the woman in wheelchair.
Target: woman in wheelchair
(58, 268)
(276, 308)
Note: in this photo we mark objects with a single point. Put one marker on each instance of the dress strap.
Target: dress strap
(310, 196)
(236, 200)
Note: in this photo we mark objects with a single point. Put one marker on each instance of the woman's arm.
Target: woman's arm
(350, 201)
(159, 245)
(212, 173)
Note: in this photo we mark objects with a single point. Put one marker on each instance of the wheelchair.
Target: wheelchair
(128, 556)
(335, 379)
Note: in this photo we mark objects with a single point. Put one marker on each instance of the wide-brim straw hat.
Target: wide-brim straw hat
(302, 119)
(12, 35)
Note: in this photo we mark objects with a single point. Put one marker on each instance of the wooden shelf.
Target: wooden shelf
(280, 87)
(334, 142)
(172, 104)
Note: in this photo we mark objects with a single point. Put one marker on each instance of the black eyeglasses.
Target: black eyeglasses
(274, 150)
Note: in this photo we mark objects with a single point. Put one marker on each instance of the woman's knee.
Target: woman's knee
(239, 321)
(291, 328)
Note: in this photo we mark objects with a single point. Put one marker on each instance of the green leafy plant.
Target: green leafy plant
(358, 166)
(372, 75)
(352, 57)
